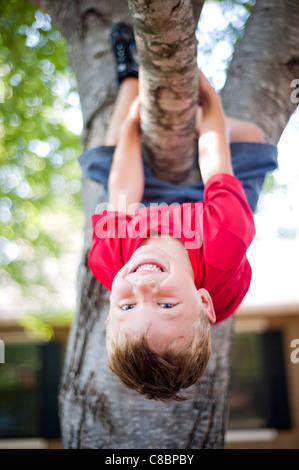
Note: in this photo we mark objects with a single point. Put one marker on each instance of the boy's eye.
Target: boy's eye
(167, 305)
(127, 306)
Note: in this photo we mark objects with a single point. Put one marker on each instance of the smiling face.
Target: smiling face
(155, 292)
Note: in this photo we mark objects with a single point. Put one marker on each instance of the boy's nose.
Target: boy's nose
(145, 285)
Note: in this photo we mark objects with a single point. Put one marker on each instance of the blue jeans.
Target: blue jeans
(250, 161)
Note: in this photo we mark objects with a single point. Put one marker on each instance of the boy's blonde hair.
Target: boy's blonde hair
(161, 376)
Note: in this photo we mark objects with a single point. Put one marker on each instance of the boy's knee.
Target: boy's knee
(255, 134)
(244, 131)
(250, 132)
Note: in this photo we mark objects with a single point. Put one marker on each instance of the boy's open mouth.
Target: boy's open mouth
(147, 265)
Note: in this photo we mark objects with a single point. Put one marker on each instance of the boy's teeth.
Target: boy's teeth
(148, 267)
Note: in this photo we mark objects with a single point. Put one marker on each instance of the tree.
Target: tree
(96, 411)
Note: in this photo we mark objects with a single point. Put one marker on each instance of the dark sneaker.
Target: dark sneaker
(125, 51)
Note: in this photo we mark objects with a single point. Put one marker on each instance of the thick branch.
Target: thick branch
(168, 80)
(197, 7)
(264, 64)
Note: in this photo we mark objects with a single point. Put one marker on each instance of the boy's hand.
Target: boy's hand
(208, 95)
(198, 119)
(210, 100)
(210, 106)
(134, 111)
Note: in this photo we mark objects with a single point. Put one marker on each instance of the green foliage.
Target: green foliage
(39, 176)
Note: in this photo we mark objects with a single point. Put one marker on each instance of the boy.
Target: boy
(169, 283)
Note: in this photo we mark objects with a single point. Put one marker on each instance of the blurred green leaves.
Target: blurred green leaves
(40, 212)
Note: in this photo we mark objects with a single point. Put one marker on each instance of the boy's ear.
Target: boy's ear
(107, 319)
(207, 305)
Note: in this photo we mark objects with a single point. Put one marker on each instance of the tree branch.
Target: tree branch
(264, 64)
(168, 81)
(197, 6)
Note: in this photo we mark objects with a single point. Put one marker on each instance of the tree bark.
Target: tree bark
(96, 411)
(168, 84)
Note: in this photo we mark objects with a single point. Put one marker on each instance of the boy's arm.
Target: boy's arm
(126, 177)
(213, 148)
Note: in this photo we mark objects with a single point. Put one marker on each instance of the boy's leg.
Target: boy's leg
(128, 91)
(126, 61)
(243, 131)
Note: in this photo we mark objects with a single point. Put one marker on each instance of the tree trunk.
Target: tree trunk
(96, 411)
